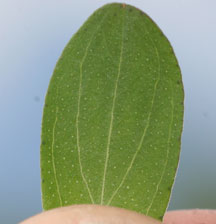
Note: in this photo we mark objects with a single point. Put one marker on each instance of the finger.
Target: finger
(190, 217)
(90, 214)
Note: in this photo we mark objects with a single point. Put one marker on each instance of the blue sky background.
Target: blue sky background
(32, 37)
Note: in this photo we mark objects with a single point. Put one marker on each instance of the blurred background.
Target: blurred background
(32, 37)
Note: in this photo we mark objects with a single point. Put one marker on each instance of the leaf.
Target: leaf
(113, 116)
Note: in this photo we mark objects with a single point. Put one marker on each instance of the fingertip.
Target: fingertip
(89, 214)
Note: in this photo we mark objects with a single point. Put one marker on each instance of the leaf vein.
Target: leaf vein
(78, 111)
(166, 162)
(145, 129)
(112, 118)
(53, 158)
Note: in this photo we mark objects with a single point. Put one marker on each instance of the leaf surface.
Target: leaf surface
(113, 116)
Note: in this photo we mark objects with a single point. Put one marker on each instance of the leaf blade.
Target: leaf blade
(117, 97)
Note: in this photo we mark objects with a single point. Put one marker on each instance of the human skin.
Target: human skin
(97, 214)
(194, 216)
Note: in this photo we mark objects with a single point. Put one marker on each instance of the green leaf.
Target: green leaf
(113, 116)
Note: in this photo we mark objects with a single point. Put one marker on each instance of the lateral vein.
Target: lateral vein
(78, 111)
(53, 159)
(167, 156)
(145, 129)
